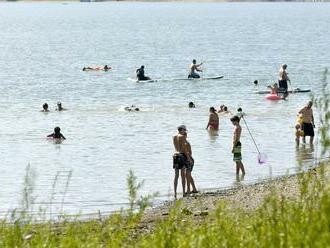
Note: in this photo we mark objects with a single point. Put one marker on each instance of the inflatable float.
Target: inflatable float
(273, 97)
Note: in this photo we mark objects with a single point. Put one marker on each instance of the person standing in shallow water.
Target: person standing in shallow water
(180, 158)
(189, 167)
(308, 122)
(57, 134)
(213, 122)
(237, 146)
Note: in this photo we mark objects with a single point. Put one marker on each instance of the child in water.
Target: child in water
(45, 108)
(299, 131)
(57, 134)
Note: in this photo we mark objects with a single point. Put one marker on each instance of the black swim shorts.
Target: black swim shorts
(308, 129)
(190, 165)
(179, 161)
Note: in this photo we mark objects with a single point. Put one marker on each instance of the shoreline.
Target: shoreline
(244, 197)
(166, 1)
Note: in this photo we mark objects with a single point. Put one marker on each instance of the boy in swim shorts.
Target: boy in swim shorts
(237, 146)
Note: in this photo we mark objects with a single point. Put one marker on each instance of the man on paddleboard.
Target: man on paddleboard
(194, 68)
(283, 78)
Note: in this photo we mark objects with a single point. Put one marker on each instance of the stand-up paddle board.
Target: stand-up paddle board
(289, 91)
(201, 78)
(175, 79)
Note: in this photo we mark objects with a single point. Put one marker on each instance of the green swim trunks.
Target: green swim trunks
(237, 152)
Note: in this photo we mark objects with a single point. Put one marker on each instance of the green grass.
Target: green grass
(279, 222)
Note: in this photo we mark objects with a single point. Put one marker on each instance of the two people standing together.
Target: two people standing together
(183, 162)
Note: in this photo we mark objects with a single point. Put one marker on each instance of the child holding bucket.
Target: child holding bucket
(299, 131)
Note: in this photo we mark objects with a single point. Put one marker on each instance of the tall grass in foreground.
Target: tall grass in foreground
(302, 221)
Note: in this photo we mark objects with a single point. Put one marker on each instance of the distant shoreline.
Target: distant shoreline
(177, 1)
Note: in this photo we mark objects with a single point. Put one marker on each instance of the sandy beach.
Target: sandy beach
(243, 197)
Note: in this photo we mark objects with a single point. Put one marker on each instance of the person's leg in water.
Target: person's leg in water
(176, 177)
(183, 180)
(242, 167)
(237, 168)
(304, 139)
(311, 140)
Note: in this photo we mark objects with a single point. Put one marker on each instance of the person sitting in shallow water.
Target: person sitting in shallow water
(224, 110)
(57, 134)
(45, 108)
(191, 105)
(132, 108)
(274, 89)
(59, 107)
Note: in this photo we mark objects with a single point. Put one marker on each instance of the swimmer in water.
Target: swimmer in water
(191, 105)
(132, 108)
(98, 68)
(45, 108)
(59, 107)
(106, 68)
(57, 134)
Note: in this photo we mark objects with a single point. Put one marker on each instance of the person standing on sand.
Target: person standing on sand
(308, 122)
(213, 122)
(189, 167)
(237, 146)
(180, 158)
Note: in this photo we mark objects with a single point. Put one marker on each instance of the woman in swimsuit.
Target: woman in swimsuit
(213, 123)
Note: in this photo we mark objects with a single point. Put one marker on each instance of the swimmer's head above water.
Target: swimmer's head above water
(182, 129)
(191, 105)
(212, 110)
(45, 106)
(57, 130)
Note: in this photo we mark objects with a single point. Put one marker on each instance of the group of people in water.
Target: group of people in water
(57, 130)
(183, 161)
(282, 86)
(193, 71)
(58, 108)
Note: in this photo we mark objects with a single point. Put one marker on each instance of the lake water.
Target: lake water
(43, 47)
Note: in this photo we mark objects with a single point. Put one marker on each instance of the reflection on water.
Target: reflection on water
(305, 154)
(213, 134)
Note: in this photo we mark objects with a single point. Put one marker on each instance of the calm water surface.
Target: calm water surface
(43, 47)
